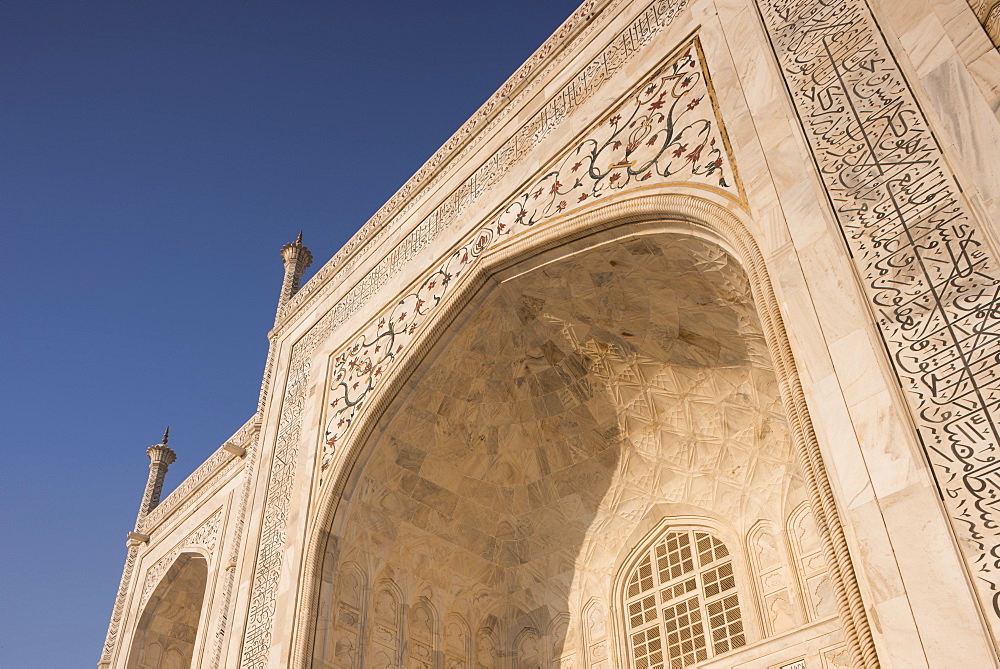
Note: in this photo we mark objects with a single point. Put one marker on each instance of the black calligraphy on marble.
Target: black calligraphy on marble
(928, 272)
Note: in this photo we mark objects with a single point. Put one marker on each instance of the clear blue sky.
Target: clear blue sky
(154, 156)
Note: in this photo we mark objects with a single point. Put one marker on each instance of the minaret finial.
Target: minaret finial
(298, 240)
(166, 435)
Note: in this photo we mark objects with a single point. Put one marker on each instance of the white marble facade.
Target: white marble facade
(681, 352)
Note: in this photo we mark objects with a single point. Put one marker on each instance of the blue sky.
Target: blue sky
(154, 156)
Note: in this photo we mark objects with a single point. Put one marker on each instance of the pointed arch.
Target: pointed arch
(595, 633)
(811, 566)
(640, 214)
(488, 650)
(560, 642)
(680, 599)
(458, 642)
(385, 648)
(422, 635)
(528, 648)
(775, 602)
(168, 627)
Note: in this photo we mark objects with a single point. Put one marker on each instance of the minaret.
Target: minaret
(297, 258)
(161, 457)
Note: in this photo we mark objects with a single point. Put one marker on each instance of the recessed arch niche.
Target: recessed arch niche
(587, 390)
(168, 627)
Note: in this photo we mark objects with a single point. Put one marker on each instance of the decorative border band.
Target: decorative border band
(930, 277)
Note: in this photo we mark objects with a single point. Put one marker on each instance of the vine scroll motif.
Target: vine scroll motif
(929, 275)
(666, 131)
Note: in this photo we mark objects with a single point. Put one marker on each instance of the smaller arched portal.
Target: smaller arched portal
(168, 627)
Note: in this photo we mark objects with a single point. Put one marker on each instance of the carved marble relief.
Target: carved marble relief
(383, 651)
(422, 638)
(668, 130)
(773, 587)
(932, 281)
(988, 13)
(595, 634)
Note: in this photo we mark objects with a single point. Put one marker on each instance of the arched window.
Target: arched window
(680, 602)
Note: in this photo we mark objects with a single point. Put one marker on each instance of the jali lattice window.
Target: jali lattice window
(681, 605)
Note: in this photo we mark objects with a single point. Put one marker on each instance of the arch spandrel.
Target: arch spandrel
(681, 345)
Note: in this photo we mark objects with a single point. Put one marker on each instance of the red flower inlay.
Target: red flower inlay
(582, 198)
(615, 177)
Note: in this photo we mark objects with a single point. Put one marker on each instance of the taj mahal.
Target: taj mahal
(683, 351)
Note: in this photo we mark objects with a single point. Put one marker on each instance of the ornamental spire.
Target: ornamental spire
(161, 457)
(297, 258)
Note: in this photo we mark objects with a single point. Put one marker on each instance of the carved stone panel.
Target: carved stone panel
(931, 279)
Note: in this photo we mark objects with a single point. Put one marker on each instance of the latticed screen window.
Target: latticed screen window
(681, 605)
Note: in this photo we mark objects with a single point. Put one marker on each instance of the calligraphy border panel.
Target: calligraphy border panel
(928, 273)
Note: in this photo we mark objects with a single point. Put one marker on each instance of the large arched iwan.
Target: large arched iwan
(603, 340)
